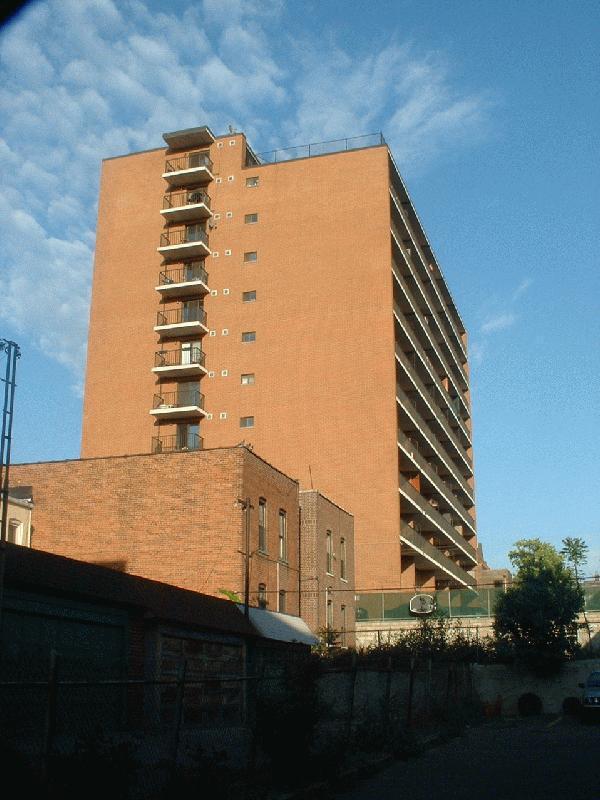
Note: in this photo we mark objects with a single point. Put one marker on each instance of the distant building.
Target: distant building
(20, 506)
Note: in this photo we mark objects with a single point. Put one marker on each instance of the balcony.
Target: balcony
(190, 280)
(179, 362)
(187, 319)
(176, 443)
(427, 556)
(186, 206)
(188, 169)
(182, 404)
(435, 521)
(191, 241)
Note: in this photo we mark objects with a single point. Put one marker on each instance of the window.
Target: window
(247, 379)
(246, 422)
(262, 595)
(329, 545)
(281, 601)
(262, 525)
(343, 609)
(252, 182)
(15, 529)
(282, 535)
(330, 615)
(343, 559)
(250, 219)
(249, 336)
(251, 256)
(249, 297)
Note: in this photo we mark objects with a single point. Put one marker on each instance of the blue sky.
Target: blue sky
(492, 112)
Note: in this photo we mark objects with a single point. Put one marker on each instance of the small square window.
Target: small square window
(229, 214)
(223, 415)
(227, 252)
(225, 332)
(250, 219)
(232, 143)
(211, 374)
(249, 297)
(249, 336)
(212, 333)
(252, 182)
(225, 291)
(216, 215)
(224, 373)
(230, 178)
(251, 256)
(246, 422)
(247, 379)
(213, 292)
(218, 180)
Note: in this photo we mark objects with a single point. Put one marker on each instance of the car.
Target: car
(590, 698)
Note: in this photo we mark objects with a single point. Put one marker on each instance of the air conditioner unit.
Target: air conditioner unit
(195, 197)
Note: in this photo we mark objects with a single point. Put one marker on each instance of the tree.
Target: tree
(537, 616)
(575, 552)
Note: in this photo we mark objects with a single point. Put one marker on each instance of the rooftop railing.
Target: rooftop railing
(180, 315)
(190, 197)
(180, 399)
(318, 149)
(185, 274)
(187, 235)
(176, 357)
(176, 443)
(188, 161)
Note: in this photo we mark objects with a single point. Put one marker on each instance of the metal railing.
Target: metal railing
(187, 235)
(319, 148)
(180, 399)
(176, 443)
(188, 161)
(176, 357)
(186, 274)
(180, 315)
(187, 198)
(417, 541)
(437, 518)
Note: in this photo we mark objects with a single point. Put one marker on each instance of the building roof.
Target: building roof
(281, 627)
(36, 570)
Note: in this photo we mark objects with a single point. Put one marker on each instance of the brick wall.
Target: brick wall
(319, 586)
(170, 517)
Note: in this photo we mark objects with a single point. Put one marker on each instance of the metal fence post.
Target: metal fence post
(388, 693)
(411, 684)
(178, 716)
(50, 718)
(351, 697)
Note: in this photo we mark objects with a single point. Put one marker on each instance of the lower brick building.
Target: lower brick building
(183, 518)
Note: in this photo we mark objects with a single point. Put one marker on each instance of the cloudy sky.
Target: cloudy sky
(492, 112)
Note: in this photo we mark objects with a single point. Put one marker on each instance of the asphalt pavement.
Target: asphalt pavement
(541, 758)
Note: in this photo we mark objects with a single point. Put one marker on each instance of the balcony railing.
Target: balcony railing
(187, 274)
(175, 236)
(176, 443)
(188, 161)
(177, 357)
(181, 315)
(413, 539)
(180, 399)
(191, 197)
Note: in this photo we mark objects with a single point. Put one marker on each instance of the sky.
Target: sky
(492, 111)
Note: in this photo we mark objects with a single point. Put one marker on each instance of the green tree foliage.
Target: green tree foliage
(537, 616)
(575, 553)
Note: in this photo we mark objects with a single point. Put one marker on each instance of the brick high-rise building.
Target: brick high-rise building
(293, 302)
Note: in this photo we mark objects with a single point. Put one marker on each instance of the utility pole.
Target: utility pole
(13, 352)
(246, 505)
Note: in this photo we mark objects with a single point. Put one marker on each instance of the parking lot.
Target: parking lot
(539, 758)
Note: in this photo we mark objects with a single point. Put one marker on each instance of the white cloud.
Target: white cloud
(82, 80)
(498, 323)
(522, 288)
